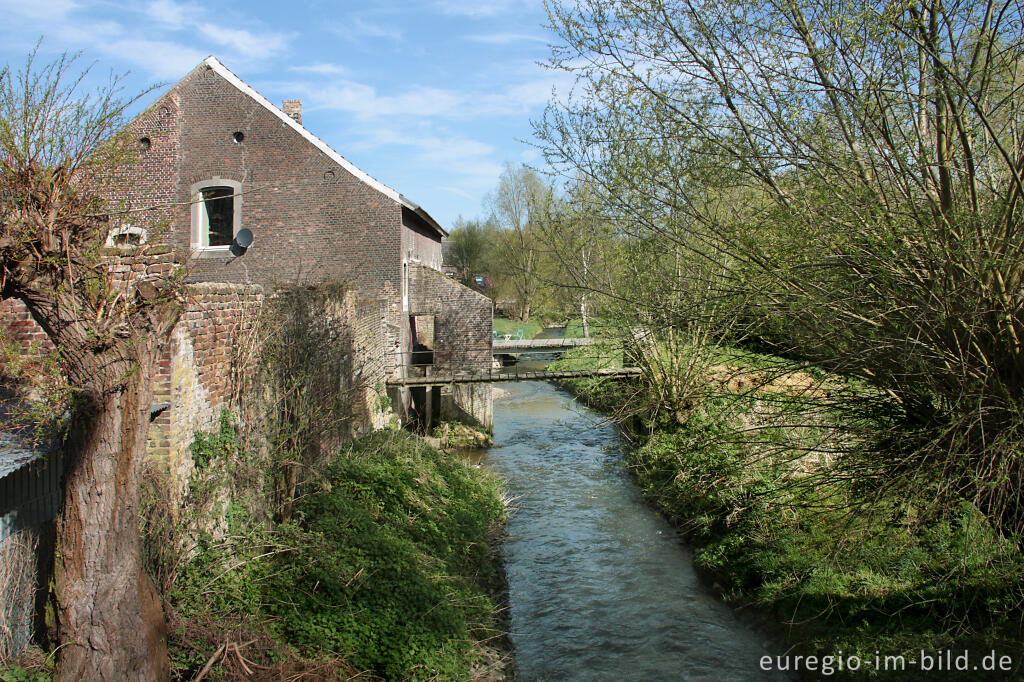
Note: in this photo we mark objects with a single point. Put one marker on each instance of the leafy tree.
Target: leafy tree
(471, 245)
(517, 205)
(578, 241)
(62, 167)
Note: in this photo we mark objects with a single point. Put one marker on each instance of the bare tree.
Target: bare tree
(61, 164)
(850, 172)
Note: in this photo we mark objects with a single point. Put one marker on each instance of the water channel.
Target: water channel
(600, 586)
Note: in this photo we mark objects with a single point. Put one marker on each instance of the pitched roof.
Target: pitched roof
(245, 88)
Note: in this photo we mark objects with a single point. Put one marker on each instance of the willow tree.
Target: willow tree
(62, 164)
(854, 173)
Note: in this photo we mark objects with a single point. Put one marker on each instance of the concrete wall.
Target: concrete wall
(203, 371)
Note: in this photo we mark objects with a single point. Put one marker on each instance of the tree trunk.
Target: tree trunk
(110, 622)
(583, 315)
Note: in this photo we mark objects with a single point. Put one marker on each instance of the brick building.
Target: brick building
(218, 165)
(231, 161)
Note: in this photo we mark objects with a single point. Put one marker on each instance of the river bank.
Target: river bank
(844, 586)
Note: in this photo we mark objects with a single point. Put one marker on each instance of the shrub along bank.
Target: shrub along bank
(386, 567)
(770, 533)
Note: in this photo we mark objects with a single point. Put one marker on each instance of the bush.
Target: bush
(387, 564)
(775, 530)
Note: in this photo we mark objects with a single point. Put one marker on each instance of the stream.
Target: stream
(601, 587)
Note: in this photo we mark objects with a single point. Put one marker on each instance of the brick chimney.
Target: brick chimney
(293, 107)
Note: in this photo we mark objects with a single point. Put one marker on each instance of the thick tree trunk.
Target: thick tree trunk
(110, 623)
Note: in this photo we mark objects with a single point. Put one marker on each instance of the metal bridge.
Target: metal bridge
(442, 378)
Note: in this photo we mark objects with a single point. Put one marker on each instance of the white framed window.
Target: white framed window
(216, 215)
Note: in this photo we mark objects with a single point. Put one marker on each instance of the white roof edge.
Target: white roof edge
(226, 73)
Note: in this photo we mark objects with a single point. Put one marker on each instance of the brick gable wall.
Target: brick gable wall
(312, 219)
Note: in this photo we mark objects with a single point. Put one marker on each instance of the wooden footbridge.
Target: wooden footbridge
(442, 378)
(507, 348)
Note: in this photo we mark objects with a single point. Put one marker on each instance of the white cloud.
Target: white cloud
(49, 10)
(356, 28)
(457, 191)
(364, 102)
(244, 42)
(163, 59)
(506, 38)
(480, 8)
(170, 13)
(529, 156)
(163, 38)
(322, 69)
(453, 157)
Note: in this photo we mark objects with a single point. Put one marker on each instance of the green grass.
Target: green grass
(530, 328)
(574, 328)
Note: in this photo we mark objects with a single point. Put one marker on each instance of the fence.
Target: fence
(30, 496)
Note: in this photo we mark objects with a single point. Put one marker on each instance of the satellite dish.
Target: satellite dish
(243, 238)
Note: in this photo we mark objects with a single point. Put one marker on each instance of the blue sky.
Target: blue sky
(431, 98)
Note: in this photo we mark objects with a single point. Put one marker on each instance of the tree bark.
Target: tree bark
(110, 622)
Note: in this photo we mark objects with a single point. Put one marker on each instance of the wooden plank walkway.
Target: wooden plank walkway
(496, 376)
(517, 346)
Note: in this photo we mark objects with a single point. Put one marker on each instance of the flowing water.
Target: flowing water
(600, 586)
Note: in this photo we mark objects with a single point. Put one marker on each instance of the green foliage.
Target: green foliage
(853, 206)
(18, 674)
(471, 247)
(775, 530)
(608, 395)
(386, 564)
(383, 401)
(223, 445)
(36, 394)
(453, 434)
(307, 406)
(574, 328)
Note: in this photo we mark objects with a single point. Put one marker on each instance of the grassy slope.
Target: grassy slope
(387, 568)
